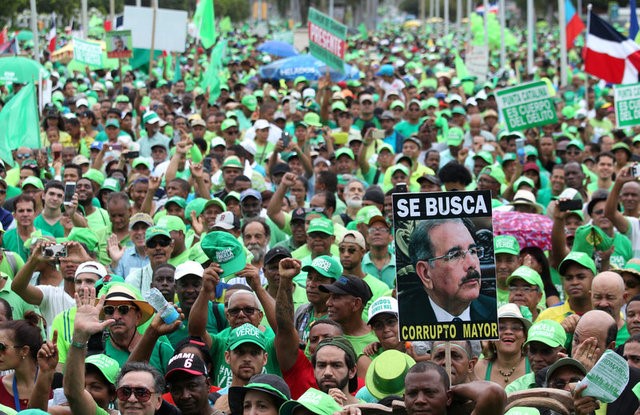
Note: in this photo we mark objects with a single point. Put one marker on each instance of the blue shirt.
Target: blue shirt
(130, 260)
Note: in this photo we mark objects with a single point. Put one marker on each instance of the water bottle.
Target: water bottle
(166, 310)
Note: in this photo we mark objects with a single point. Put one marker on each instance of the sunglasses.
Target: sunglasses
(248, 311)
(155, 242)
(142, 394)
(23, 155)
(4, 347)
(122, 309)
(233, 132)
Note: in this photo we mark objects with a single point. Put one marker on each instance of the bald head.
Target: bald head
(607, 293)
(599, 325)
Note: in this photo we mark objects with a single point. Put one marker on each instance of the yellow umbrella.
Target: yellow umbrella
(410, 24)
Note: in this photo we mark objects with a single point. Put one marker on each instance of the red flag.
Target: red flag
(51, 36)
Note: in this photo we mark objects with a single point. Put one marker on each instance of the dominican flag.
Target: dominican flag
(609, 55)
(51, 36)
(493, 8)
(573, 23)
(10, 47)
(633, 21)
(4, 36)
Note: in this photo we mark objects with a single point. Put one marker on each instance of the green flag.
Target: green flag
(225, 25)
(204, 20)
(19, 124)
(363, 31)
(212, 77)
(461, 68)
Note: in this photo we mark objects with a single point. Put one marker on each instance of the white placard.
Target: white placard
(171, 28)
(89, 53)
(477, 61)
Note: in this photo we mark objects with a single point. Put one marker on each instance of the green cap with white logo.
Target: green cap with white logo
(326, 266)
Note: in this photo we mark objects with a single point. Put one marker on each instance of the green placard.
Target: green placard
(627, 99)
(327, 39)
(526, 106)
(89, 53)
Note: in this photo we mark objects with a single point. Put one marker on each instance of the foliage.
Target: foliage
(410, 7)
(237, 10)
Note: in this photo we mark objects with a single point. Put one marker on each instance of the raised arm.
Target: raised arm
(611, 207)
(20, 284)
(287, 339)
(489, 397)
(47, 362)
(559, 248)
(274, 209)
(252, 275)
(199, 311)
(158, 328)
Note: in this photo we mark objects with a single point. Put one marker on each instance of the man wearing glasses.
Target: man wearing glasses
(158, 248)
(447, 261)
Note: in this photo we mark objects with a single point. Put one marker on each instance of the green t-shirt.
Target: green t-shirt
(524, 382)
(162, 352)
(406, 128)
(222, 376)
(18, 305)
(12, 242)
(6, 267)
(262, 151)
(212, 324)
(57, 230)
(180, 259)
(360, 342)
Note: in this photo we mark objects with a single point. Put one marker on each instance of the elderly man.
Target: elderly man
(123, 260)
(607, 294)
(158, 247)
(447, 261)
(526, 289)
(464, 356)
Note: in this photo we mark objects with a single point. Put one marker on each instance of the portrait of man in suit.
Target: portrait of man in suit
(446, 259)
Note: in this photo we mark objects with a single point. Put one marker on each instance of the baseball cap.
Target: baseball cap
(141, 161)
(325, 265)
(33, 181)
(455, 136)
(232, 161)
(106, 365)
(272, 385)
(111, 184)
(188, 268)
(95, 176)
(83, 235)
(228, 123)
(564, 362)
(579, 258)
(215, 201)
(224, 249)
(298, 215)
(227, 221)
(345, 151)
(112, 122)
(385, 376)
(522, 410)
(383, 305)
(323, 225)
(154, 231)
(366, 213)
(189, 363)
(150, 117)
(198, 122)
(140, 217)
(549, 332)
(177, 200)
(91, 267)
(232, 195)
(247, 333)
(353, 237)
(338, 106)
(276, 253)
(315, 401)
(484, 155)
(261, 124)
(495, 172)
(80, 160)
(349, 285)
(589, 237)
(527, 274)
(250, 101)
(250, 193)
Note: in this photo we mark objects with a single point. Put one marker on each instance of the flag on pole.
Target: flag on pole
(4, 36)
(573, 23)
(19, 125)
(633, 21)
(609, 55)
(213, 78)
(10, 47)
(493, 8)
(204, 20)
(51, 36)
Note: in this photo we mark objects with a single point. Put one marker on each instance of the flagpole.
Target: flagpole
(34, 29)
(563, 42)
(530, 33)
(154, 4)
(586, 42)
(503, 50)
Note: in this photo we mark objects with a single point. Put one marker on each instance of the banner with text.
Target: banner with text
(627, 99)
(89, 53)
(526, 106)
(327, 39)
(445, 268)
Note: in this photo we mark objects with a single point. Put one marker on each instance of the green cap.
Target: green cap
(106, 365)
(432, 103)
(112, 122)
(400, 167)
(33, 181)
(312, 119)
(396, 104)
(83, 235)
(196, 205)
(247, 333)
(325, 265)
(111, 184)
(549, 332)
(225, 250)
(385, 376)
(508, 157)
(215, 201)
(232, 195)
(323, 225)
(506, 244)
(484, 155)
(250, 102)
(95, 176)
(496, 172)
(455, 136)
(523, 180)
(589, 237)
(315, 401)
(122, 98)
(345, 151)
(178, 201)
(232, 161)
(299, 79)
(621, 146)
(228, 123)
(150, 117)
(579, 258)
(576, 143)
(366, 213)
(172, 223)
(459, 110)
(154, 231)
(527, 274)
(564, 362)
(530, 150)
(387, 147)
(339, 106)
(141, 161)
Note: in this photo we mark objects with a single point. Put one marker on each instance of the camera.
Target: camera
(55, 251)
(635, 171)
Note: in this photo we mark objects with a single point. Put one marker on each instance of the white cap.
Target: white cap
(225, 220)
(188, 268)
(80, 102)
(250, 146)
(453, 97)
(91, 267)
(218, 141)
(481, 95)
(309, 93)
(97, 86)
(321, 159)
(383, 305)
(260, 124)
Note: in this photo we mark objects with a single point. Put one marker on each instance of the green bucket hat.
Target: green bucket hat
(247, 333)
(506, 244)
(313, 400)
(323, 225)
(225, 250)
(579, 258)
(549, 332)
(312, 119)
(106, 365)
(385, 376)
(232, 161)
(326, 266)
(528, 275)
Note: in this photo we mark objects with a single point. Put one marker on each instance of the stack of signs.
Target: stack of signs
(526, 106)
(119, 44)
(89, 53)
(327, 39)
(445, 266)
(627, 99)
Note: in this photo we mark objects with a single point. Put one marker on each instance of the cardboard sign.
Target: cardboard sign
(477, 61)
(119, 44)
(627, 99)
(170, 33)
(608, 378)
(445, 267)
(89, 53)
(526, 106)
(327, 39)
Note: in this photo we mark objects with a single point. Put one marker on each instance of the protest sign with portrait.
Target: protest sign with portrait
(119, 44)
(445, 266)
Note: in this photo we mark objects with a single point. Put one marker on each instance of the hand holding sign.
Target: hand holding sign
(607, 379)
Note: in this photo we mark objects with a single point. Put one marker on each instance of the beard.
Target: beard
(354, 203)
(258, 251)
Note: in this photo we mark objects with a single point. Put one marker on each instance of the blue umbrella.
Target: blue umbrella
(307, 66)
(277, 48)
